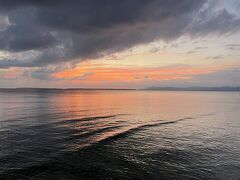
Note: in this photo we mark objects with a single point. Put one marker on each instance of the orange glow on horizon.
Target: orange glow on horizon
(96, 74)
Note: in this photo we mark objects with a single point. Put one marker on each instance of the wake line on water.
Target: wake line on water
(145, 126)
(91, 133)
(114, 135)
(132, 130)
(111, 133)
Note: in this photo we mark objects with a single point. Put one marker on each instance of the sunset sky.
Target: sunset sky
(119, 44)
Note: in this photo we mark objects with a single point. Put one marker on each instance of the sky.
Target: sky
(119, 44)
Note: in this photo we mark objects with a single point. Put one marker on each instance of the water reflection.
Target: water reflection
(119, 134)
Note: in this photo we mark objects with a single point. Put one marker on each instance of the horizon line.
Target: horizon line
(165, 88)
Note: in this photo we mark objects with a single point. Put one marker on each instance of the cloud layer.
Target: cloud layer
(50, 32)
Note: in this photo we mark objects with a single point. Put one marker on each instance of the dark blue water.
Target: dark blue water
(51, 134)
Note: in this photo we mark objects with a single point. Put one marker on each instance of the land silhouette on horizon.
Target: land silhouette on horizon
(193, 88)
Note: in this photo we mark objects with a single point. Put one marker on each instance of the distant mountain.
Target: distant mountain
(195, 88)
(52, 89)
(223, 88)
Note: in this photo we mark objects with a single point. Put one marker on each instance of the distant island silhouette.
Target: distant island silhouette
(193, 88)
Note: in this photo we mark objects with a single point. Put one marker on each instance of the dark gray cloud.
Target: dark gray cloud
(41, 74)
(215, 57)
(45, 73)
(64, 30)
(232, 46)
(197, 50)
(219, 22)
(25, 33)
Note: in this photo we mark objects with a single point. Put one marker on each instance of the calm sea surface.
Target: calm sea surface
(50, 134)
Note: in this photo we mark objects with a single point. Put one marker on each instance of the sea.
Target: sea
(119, 134)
